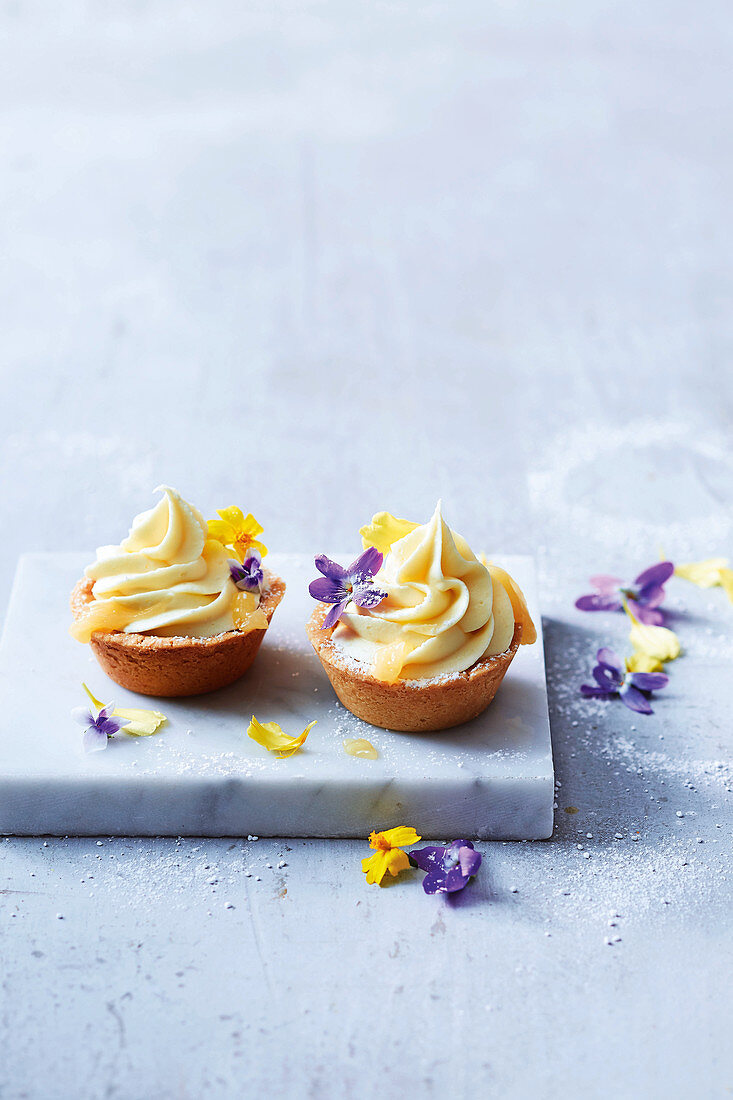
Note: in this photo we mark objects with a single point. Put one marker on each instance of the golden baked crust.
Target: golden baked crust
(409, 705)
(177, 666)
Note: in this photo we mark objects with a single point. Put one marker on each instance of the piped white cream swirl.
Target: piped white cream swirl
(166, 578)
(442, 612)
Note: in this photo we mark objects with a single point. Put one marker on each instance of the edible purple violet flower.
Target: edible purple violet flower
(247, 575)
(99, 729)
(612, 679)
(340, 586)
(449, 869)
(643, 595)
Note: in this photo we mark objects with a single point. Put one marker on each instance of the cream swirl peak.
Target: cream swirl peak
(167, 578)
(442, 612)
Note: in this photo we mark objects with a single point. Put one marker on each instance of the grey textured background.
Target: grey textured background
(321, 259)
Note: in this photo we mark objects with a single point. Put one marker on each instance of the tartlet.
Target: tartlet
(417, 634)
(179, 607)
(176, 666)
(409, 706)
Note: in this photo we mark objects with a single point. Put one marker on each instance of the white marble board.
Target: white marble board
(202, 776)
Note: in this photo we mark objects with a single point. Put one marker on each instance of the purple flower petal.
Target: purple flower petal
(366, 595)
(651, 595)
(327, 591)
(334, 614)
(605, 583)
(105, 713)
(368, 563)
(651, 616)
(656, 574)
(454, 880)
(428, 859)
(607, 679)
(469, 860)
(248, 575)
(94, 740)
(433, 882)
(609, 659)
(83, 716)
(110, 726)
(597, 602)
(589, 689)
(330, 569)
(648, 681)
(634, 699)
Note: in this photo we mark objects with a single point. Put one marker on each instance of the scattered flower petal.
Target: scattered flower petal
(612, 679)
(657, 643)
(273, 738)
(388, 853)
(449, 869)
(712, 573)
(705, 574)
(644, 594)
(99, 727)
(238, 531)
(137, 722)
(339, 586)
(726, 580)
(384, 530)
(641, 662)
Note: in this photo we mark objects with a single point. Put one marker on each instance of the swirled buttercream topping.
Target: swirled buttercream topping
(442, 612)
(166, 578)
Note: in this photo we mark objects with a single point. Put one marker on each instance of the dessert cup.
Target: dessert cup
(409, 706)
(417, 633)
(175, 666)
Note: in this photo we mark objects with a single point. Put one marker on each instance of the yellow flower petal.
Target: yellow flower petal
(655, 642)
(140, 722)
(221, 531)
(726, 579)
(250, 526)
(642, 662)
(96, 703)
(253, 544)
(705, 574)
(273, 738)
(384, 530)
(396, 861)
(233, 516)
(403, 834)
(375, 868)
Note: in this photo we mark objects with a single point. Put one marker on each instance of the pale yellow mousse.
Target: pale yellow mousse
(167, 578)
(443, 609)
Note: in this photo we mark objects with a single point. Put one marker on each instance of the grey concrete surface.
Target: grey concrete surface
(327, 258)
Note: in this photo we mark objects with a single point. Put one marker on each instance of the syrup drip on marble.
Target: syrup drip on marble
(359, 746)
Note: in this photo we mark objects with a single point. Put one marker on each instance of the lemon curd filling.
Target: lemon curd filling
(443, 610)
(167, 578)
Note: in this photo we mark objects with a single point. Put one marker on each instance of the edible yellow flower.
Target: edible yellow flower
(655, 643)
(273, 738)
(384, 530)
(705, 574)
(711, 573)
(388, 855)
(140, 723)
(238, 531)
(642, 662)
